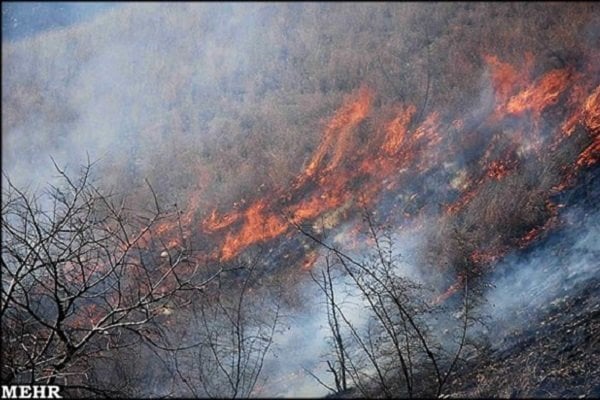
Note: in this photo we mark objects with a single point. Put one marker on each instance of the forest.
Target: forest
(304, 200)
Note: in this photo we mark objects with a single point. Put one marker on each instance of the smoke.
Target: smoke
(521, 286)
(305, 341)
(228, 101)
(527, 281)
(118, 87)
(300, 344)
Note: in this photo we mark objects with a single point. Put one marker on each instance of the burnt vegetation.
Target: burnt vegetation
(247, 149)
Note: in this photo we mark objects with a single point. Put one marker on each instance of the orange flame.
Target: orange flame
(214, 222)
(397, 129)
(591, 113)
(450, 291)
(541, 94)
(338, 134)
(590, 155)
(498, 170)
(344, 170)
(259, 225)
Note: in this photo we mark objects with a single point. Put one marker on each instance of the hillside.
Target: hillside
(259, 85)
(555, 357)
(418, 156)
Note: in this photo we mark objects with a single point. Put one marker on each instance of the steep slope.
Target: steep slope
(462, 126)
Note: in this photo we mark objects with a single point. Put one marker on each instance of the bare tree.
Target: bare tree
(338, 367)
(395, 352)
(82, 276)
(234, 323)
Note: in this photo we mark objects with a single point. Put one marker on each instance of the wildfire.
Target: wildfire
(506, 77)
(345, 171)
(310, 261)
(591, 114)
(337, 138)
(214, 222)
(590, 155)
(260, 224)
(455, 287)
(486, 257)
(498, 170)
(541, 94)
(397, 129)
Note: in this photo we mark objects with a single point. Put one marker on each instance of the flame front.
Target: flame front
(347, 170)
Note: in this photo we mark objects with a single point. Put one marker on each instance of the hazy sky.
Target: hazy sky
(24, 19)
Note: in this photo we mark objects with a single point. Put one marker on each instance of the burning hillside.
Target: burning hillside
(398, 148)
(514, 137)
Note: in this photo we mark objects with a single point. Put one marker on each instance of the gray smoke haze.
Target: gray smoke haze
(109, 86)
(305, 342)
(523, 284)
(166, 91)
